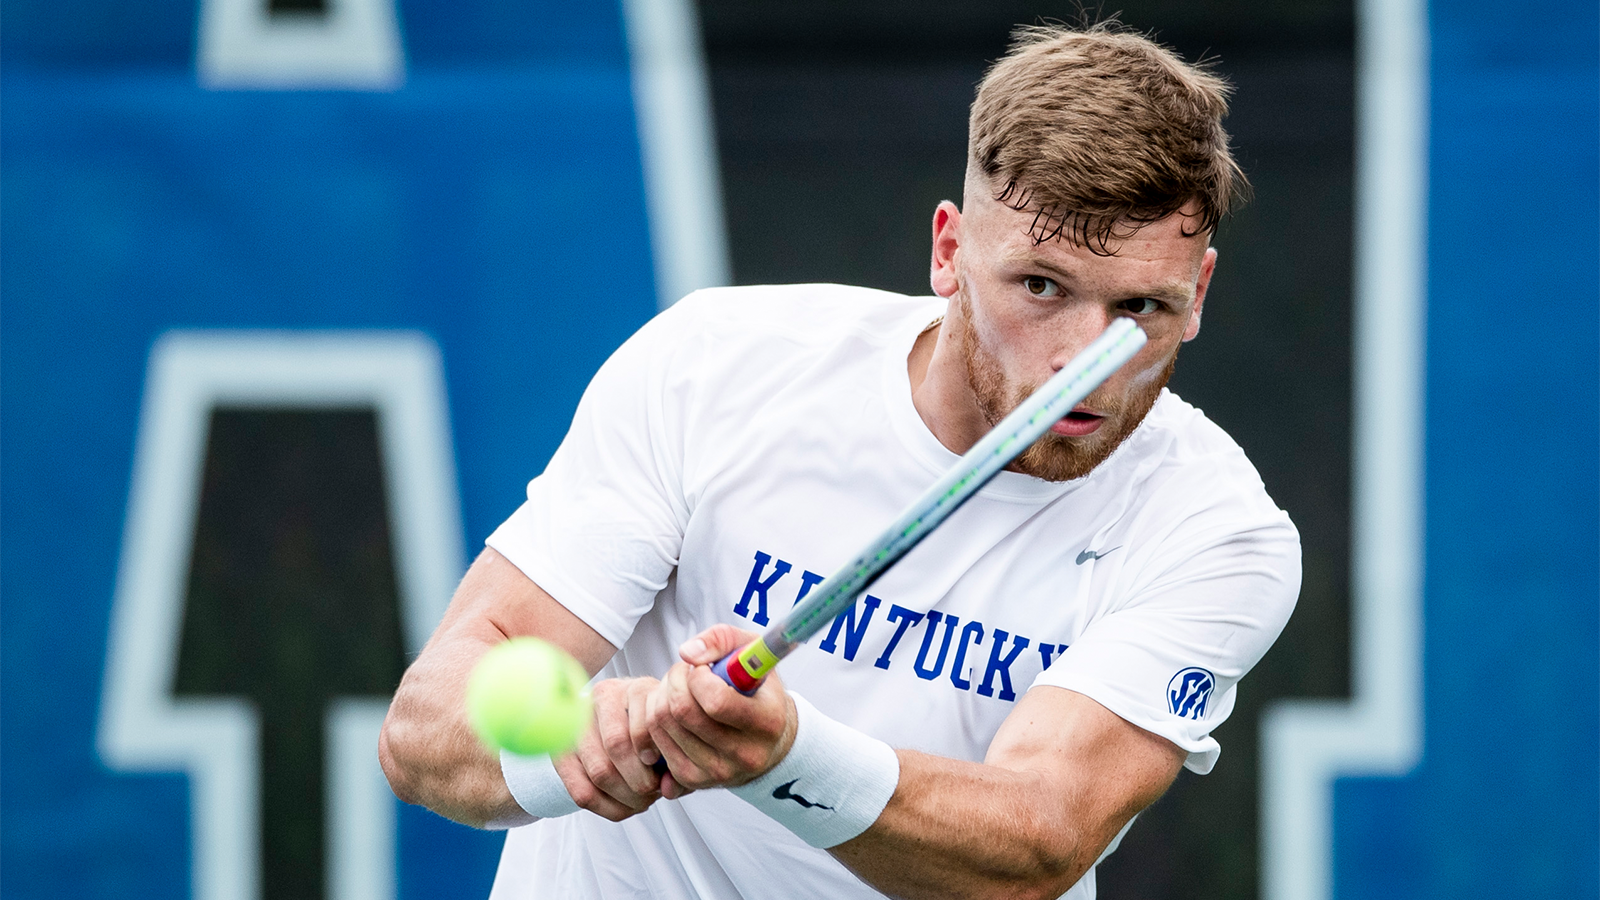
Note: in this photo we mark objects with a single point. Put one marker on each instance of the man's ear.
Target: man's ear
(946, 240)
(1207, 266)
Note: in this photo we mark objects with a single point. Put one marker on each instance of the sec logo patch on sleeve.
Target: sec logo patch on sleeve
(1189, 691)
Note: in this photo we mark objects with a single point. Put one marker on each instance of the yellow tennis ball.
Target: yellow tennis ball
(528, 696)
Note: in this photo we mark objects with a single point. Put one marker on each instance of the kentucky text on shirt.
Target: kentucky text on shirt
(852, 625)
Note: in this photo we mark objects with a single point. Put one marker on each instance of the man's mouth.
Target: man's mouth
(1078, 423)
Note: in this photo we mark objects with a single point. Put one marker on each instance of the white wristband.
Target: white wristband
(833, 784)
(537, 788)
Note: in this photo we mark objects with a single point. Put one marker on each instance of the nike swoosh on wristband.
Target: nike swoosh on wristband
(781, 792)
(1087, 555)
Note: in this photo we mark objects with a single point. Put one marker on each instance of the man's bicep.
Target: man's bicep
(1104, 768)
(496, 601)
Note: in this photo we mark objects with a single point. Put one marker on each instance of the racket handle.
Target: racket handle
(732, 672)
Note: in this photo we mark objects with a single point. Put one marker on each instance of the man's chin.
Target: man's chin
(1055, 457)
(1059, 457)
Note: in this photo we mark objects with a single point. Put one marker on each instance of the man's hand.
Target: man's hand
(709, 734)
(609, 772)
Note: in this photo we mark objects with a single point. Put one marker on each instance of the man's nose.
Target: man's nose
(1078, 332)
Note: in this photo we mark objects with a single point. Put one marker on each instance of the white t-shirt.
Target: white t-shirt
(748, 441)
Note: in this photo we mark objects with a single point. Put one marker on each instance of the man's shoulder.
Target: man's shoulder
(739, 346)
(1192, 461)
(1190, 433)
(797, 312)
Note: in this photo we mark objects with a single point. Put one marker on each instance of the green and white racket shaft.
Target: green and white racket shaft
(744, 669)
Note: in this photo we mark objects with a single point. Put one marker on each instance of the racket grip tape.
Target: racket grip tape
(744, 670)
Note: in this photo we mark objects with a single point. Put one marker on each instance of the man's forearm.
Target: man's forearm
(427, 749)
(962, 829)
(1061, 777)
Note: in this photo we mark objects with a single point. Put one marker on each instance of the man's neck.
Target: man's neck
(940, 392)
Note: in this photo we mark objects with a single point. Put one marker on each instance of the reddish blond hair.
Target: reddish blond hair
(1099, 131)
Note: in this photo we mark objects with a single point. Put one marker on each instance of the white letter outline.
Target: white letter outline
(355, 44)
(1307, 744)
(677, 147)
(143, 728)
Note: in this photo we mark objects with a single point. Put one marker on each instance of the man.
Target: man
(992, 715)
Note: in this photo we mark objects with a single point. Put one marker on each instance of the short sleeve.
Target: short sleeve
(603, 524)
(1169, 658)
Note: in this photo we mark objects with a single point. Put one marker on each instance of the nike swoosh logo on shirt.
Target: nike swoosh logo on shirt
(1087, 555)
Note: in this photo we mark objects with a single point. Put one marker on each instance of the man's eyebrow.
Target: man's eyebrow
(1174, 292)
(1024, 258)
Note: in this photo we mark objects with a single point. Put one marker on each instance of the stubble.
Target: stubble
(1054, 457)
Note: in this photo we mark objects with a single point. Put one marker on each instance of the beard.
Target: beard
(1053, 457)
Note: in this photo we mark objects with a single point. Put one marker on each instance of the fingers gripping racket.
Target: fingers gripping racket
(744, 669)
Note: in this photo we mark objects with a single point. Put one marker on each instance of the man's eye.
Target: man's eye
(1040, 286)
(1142, 306)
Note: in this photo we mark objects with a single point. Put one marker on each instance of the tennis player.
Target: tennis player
(991, 716)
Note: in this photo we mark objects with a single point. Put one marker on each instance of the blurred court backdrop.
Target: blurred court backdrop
(297, 294)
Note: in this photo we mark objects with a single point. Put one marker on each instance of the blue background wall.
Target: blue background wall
(495, 202)
(1506, 802)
